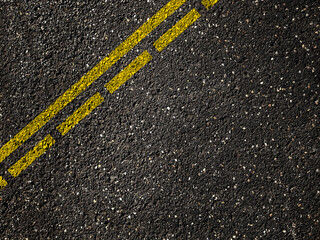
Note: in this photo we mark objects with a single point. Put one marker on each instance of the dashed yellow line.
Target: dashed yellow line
(3, 183)
(129, 71)
(176, 30)
(89, 78)
(80, 113)
(32, 155)
(209, 3)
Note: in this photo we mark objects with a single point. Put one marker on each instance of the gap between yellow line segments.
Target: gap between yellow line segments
(89, 78)
(3, 183)
(128, 72)
(176, 30)
(80, 113)
(209, 3)
(32, 155)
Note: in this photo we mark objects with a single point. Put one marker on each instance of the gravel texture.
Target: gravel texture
(216, 138)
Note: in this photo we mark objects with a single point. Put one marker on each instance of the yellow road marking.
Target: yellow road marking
(176, 30)
(89, 78)
(80, 113)
(128, 72)
(32, 155)
(209, 3)
(3, 183)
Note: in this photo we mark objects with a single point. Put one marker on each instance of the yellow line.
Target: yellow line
(32, 155)
(80, 113)
(209, 3)
(89, 78)
(128, 72)
(3, 183)
(176, 30)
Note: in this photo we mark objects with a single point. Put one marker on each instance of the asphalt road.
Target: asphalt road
(216, 138)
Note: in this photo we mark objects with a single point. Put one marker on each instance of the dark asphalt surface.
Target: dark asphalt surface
(216, 138)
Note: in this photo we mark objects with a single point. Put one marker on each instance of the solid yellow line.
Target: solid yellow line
(209, 3)
(128, 72)
(89, 78)
(3, 183)
(176, 30)
(80, 113)
(32, 155)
